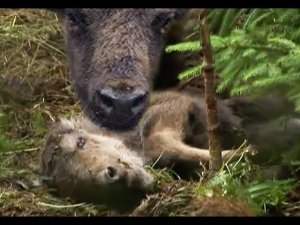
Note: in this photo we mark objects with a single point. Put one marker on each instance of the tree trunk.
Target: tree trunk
(210, 99)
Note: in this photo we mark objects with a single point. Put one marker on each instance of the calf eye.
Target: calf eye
(80, 142)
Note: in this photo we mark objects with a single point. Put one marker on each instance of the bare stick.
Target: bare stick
(20, 151)
(213, 123)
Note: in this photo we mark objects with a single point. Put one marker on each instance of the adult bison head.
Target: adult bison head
(113, 57)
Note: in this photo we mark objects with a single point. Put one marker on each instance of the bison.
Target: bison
(114, 56)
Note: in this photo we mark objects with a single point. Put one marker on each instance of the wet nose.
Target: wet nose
(120, 101)
(120, 105)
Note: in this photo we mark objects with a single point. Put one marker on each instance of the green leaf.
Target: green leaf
(191, 72)
(281, 43)
(190, 46)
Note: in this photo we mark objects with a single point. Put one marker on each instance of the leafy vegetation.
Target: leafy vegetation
(243, 180)
(255, 50)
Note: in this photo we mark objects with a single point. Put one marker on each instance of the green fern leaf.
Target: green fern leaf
(217, 42)
(191, 72)
(241, 90)
(190, 46)
(281, 43)
(248, 53)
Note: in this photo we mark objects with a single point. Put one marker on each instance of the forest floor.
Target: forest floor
(35, 92)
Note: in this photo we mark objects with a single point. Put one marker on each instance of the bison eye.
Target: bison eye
(80, 142)
(161, 22)
(77, 21)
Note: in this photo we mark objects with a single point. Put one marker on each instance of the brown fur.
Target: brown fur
(160, 137)
(78, 162)
(171, 126)
(118, 50)
(172, 133)
(173, 129)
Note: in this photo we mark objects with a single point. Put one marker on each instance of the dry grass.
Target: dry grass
(34, 92)
(180, 199)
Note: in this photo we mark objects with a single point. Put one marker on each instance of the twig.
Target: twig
(213, 123)
(60, 206)
(20, 151)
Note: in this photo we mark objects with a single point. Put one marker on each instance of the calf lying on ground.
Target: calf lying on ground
(94, 164)
(173, 129)
(90, 162)
(100, 167)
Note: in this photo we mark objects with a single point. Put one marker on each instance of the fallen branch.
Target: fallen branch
(60, 206)
(20, 151)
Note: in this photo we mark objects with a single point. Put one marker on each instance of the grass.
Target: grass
(35, 91)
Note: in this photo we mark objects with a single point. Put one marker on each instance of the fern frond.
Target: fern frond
(275, 81)
(248, 53)
(215, 18)
(259, 70)
(262, 14)
(250, 16)
(190, 46)
(191, 72)
(228, 21)
(281, 43)
(217, 42)
(290, 61)
(274, 70)
(241, 90)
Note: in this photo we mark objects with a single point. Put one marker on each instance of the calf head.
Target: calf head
(93, 167)
(113, 56)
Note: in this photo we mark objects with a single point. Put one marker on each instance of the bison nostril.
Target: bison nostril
(97, 113)
(139, 100)
(111, 173)
(103, 102)
(139, 103)
(107, 100)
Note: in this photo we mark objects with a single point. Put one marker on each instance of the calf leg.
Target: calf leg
(167, 148)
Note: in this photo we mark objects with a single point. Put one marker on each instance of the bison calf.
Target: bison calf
(91, 167)
(173, 130)
(91, 163)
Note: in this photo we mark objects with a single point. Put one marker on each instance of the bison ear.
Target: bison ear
(180, 12)
(172, 13)
(59, 11)
(165, 16)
